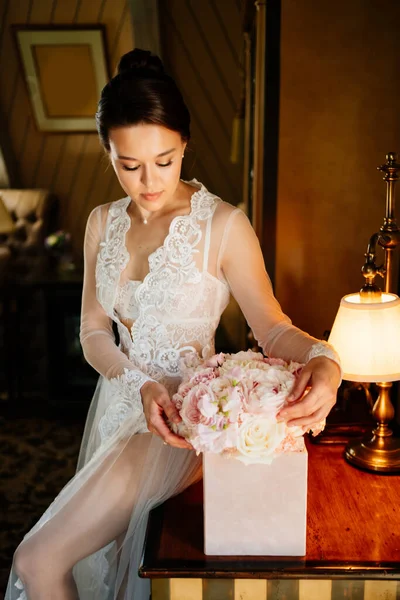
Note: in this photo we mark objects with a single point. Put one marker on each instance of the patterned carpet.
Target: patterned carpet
(38, 456)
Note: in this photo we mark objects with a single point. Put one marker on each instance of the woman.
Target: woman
(160, 263)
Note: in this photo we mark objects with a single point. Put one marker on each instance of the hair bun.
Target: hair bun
(141, 63)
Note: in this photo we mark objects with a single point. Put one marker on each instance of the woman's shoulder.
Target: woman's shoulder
(105, 208)
(99, 214)
(227, 216)
(226, 212)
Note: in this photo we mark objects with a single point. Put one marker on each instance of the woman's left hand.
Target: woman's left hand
(322, 375)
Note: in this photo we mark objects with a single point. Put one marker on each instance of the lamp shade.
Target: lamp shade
(6, 222)
(366, 336)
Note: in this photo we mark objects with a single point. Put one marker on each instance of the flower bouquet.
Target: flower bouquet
(229, 404)
(256, 504)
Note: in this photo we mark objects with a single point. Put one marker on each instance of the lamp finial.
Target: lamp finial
(391, 167)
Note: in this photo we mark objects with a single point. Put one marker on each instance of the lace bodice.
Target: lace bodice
(176, 308)
(126, 306)
(178, 305)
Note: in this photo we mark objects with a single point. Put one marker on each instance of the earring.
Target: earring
(183, 155)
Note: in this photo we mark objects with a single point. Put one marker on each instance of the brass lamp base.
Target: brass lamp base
(382, 452)
(377, 454)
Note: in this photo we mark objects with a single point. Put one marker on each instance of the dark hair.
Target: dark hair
(141, 92)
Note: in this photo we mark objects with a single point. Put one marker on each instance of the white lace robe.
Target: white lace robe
(207, 254)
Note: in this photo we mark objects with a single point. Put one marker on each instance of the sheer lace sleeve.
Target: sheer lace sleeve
(241, 263)
(96, 334)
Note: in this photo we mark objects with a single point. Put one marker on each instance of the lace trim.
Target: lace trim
(324, 349)
(124, 402)
(172, 264)
(171, 267)
(20, 586)
(125, 304)
(158, 348)
(112, 260)
(99, 566)
(113, 255)
(150, 345)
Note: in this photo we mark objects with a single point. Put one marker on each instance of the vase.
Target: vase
(255, 509)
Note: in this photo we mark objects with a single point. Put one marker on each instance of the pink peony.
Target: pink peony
(275, 362)
(178, 401)
(215, 361)
(247, 356)
(207, 406)
(229, 403)
(233, 406)
(203, 376)
(191, 360)
(214, 440)
(190, 412)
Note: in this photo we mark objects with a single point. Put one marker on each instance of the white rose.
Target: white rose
(258, 438)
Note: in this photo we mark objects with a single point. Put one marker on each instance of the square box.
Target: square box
(256, 510)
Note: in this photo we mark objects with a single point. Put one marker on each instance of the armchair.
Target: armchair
(25, 217)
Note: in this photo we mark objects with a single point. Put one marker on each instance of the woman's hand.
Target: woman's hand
(157, 408)
(322, 375)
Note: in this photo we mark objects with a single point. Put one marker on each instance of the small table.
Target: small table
(353, 534)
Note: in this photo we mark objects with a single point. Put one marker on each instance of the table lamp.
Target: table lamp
(366, 334)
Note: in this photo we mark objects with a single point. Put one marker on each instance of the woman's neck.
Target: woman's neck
(178, 204)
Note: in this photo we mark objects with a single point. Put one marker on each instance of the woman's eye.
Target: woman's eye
(136, 168)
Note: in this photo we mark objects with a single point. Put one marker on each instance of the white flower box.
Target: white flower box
(255, 509)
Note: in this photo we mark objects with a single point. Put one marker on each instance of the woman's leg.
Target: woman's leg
(96, 515)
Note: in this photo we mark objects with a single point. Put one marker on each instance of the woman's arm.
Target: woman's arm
(96, 334)
(102, 353)
(242, 264)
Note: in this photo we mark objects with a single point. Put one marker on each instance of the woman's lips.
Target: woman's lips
(152, 196)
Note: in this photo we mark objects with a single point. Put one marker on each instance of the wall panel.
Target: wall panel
(41, 12)
(203, 45)
(10, 72)
(90, 12)
(64, 11)
(338, 118)
(71, 165)
(202, 42)
(44, 175)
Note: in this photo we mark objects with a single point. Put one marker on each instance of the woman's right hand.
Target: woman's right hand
(158, 407)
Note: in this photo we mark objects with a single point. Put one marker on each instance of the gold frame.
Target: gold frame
(92, 36)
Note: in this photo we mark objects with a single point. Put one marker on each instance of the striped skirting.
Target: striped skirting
(276, 589)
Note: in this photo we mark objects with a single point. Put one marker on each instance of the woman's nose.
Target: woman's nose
(148, 178)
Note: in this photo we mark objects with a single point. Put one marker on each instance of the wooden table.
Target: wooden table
(353, 533)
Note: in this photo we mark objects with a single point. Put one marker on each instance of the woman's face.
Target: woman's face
(147, 160)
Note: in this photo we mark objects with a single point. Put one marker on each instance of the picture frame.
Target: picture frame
(65, 69)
